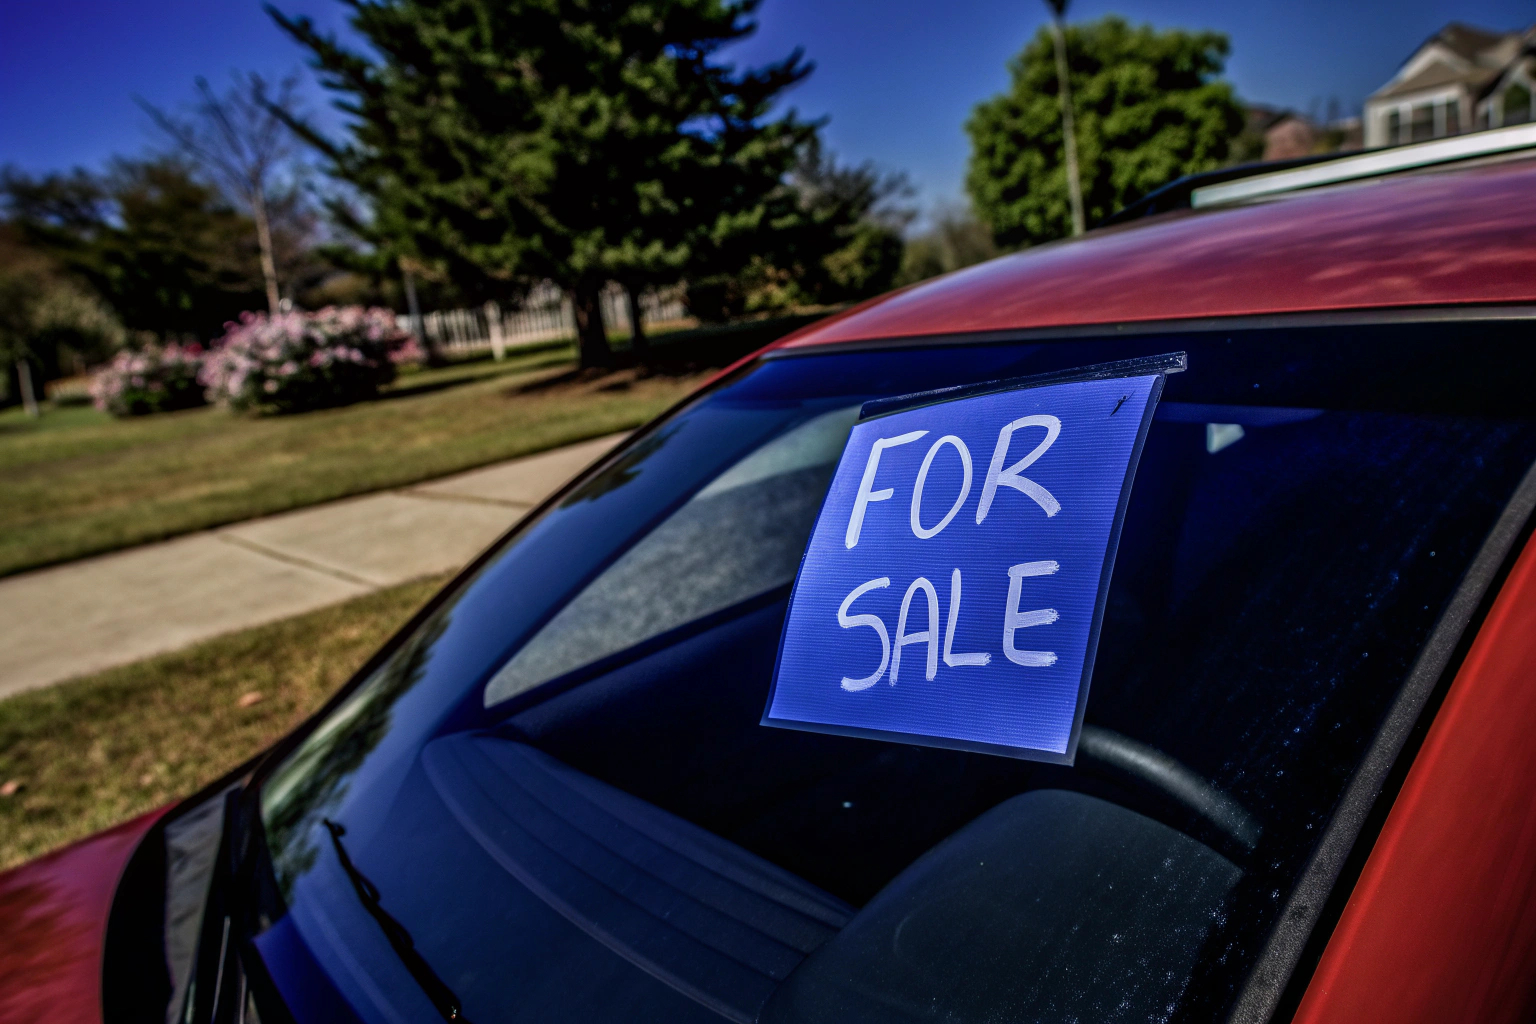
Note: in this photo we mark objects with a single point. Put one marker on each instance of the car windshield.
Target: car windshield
(558, 785)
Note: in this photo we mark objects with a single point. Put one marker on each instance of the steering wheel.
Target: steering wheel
(1119, 756)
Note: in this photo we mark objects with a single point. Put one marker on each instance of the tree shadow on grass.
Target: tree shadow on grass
(426, 388)
(604, 379)
(491, 371)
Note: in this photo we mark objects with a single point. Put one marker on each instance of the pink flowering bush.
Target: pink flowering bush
(293, 362)
(155, 378)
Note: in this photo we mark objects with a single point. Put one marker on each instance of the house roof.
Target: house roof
(1448, 238)
(1467, 41)
(1437, 76)
(1475, 57)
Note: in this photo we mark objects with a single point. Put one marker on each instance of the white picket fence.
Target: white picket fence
(545, 315)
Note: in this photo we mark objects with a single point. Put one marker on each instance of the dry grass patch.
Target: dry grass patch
(83, 755)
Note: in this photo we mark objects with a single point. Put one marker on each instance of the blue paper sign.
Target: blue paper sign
(954, 586)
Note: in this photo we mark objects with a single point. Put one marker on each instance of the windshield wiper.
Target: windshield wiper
(442, 997)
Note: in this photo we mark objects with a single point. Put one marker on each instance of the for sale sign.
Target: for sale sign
(954, 586)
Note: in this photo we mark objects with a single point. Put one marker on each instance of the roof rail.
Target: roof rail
(1252, 181)
(1175, 195)
(1370, 164)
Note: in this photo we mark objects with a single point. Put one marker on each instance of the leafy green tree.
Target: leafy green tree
(45, 316)
(576, 140)
(956, 239)
(157, 244)
(1149, 106)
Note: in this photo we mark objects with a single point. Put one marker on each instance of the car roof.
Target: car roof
(1445, 238)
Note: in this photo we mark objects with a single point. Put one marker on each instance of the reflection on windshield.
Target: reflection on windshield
(742, 535)
(368, 743)
(623, 469)
(311, 783)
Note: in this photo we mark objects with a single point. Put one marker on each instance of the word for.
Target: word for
(996, 477)
(1013, 621)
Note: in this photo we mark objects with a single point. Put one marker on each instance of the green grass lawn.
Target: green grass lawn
(89, 753)
(76, 482)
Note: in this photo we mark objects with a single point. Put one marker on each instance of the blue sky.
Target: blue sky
(896, 77)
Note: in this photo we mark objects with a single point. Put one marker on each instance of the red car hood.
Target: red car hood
(53, 922)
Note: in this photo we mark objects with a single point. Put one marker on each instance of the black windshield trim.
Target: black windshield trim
(1171, 362)
(1293, 933)
(1277, 964)
(1173, 326)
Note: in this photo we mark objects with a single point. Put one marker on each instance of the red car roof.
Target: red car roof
(1431, 239)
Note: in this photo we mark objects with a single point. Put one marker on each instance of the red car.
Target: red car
(1305, 787)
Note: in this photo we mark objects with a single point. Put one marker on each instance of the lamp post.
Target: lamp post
(1069, 132)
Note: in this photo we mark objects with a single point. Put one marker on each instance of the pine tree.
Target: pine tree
(576, 140)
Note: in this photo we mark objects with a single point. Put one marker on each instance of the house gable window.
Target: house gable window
(1517, 104)
(1422, 122)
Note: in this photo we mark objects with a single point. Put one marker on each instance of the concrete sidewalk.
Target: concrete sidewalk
(84, 616)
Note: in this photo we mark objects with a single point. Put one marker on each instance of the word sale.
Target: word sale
(1013, 621)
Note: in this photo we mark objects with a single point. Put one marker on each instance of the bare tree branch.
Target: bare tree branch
(241, 141)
